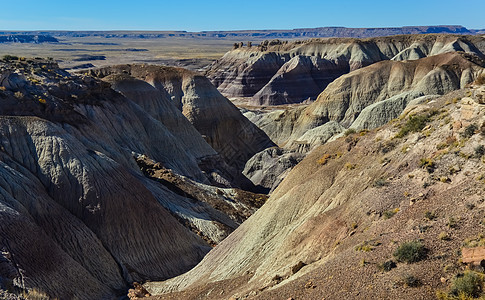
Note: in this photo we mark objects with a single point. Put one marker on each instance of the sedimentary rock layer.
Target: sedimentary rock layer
(280, 72)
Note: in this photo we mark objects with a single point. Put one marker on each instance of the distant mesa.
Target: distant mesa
(27, 38)
(320, 32)
(90, 57)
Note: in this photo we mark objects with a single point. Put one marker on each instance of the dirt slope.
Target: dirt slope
(350, 204)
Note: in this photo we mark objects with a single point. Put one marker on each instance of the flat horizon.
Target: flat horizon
(235, 30)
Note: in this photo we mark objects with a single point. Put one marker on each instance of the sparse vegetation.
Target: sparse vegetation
(350, 166)
(428, 164)
(387, 146)
(479, 151)
(469, 131)
(367, 246)
(349, 131)
(444, 236)
(390, 213)
(387, 266)
(381, 182)
(452, 223)
(430, 215)
(415, 124)
(478, 241)
(411, 252)
(411, 281)
(468, 285)
(324, 159)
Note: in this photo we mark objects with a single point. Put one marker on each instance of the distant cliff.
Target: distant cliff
(27, 38)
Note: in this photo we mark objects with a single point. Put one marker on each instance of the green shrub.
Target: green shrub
(469, 131)
(411, 281)
(367, 246)
(411, 252)
(428, 164)
(390, 213)
(479, 151)
(381, 182)
(349, 131)
(469, 284)
(452, 223)
(387, 266)
(444, 236)
(415, 124)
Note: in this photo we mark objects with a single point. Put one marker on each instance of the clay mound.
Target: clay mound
(346, 208)
(280, 72)
(228, 131)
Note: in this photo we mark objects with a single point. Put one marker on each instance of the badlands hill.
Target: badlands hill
(362, 99)
(277, 72)
(99, 190)
(332, 228)
(216, 119)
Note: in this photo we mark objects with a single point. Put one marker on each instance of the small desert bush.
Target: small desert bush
(444, 236)
(428, 164)
(349, 131)
(478, 241)
(381, 182)
(367, 246)
(430, 215)
(349, 166)
(415, 124)
(387, 266)
(324, 159)
(479, 151)
(390, 213)
(411, 281)
(411, 252)
(469, 131)
(468, 285)
(452, 223)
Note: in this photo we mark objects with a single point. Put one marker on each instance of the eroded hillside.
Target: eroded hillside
(333, 226)
(85, 206)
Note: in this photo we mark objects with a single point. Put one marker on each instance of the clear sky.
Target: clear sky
(193, 15)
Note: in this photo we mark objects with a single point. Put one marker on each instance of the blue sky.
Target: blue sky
(201, 15)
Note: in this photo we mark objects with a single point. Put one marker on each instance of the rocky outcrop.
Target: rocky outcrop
(155, 88)
(269, 167)
(343, 214)
(282, 72)
(209, 211)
